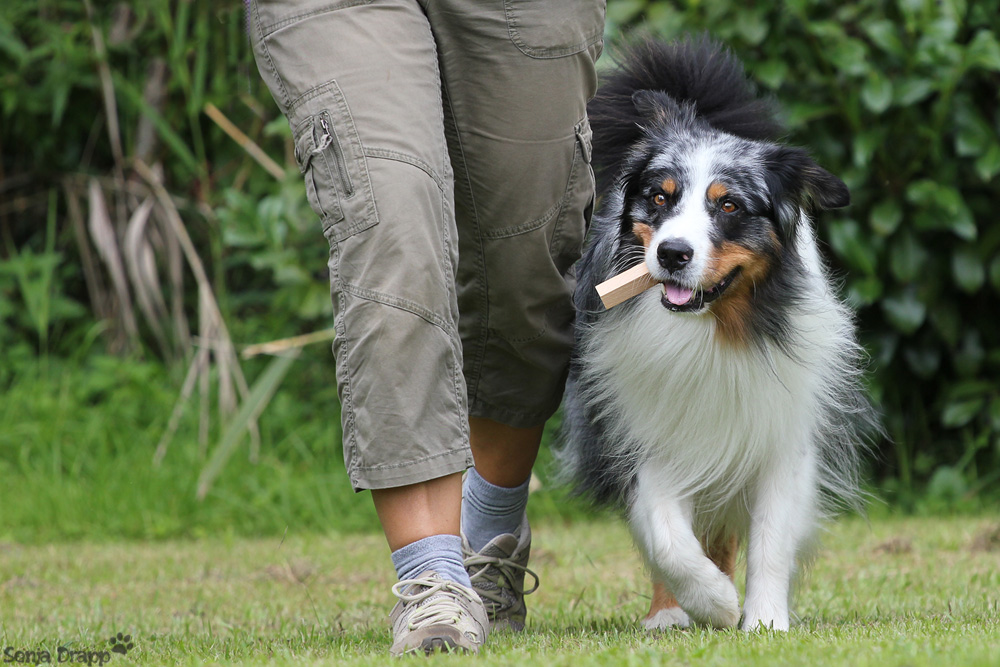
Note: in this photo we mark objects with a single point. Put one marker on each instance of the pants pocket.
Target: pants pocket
(578, 204)
(332, 161)
(554, 28)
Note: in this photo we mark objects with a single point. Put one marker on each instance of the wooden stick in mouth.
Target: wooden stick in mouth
(625, 285)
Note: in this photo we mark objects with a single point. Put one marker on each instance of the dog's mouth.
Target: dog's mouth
(681, 299)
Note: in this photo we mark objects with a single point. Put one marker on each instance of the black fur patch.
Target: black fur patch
(696, 69)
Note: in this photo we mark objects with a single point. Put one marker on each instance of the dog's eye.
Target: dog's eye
(659, 199)
(729, 206)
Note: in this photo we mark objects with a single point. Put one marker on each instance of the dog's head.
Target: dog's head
(715, 213)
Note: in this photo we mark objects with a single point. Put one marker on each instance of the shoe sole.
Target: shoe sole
(440, 645)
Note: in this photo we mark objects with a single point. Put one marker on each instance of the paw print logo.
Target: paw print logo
(121, 643)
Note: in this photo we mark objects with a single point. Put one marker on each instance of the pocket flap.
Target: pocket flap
(305, 145)
(586, 138)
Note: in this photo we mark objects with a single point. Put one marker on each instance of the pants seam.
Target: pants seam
(567, 197)
(347, 400)
(412, 160)
(406, 305)
(474, 375)
(285, 97)
(524, 228)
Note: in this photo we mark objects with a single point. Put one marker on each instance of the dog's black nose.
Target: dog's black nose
(674, 254)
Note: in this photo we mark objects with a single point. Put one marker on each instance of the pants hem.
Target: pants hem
(414, 472)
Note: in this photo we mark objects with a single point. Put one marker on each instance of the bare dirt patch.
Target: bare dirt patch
(987, 540)
(895, 546)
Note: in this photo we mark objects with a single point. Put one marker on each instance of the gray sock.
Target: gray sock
(489, 510)
(441, 553)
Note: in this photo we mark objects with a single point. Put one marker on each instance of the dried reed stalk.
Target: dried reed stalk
(245, 142)
(102, 232)
(285, 344)
(212, 325)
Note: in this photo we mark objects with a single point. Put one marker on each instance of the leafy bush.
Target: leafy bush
(86, 90)
(121, 181)
(899, 97)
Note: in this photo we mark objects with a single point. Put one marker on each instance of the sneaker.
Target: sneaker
(497, 573)
(434, 614)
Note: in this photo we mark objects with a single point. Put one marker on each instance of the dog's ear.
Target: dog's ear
(655, 106)
(628, 184)
(795, 180)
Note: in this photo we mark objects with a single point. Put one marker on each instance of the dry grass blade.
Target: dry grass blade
(98, 293)
(194, 371)
(205, 333)
(225, 360)
(175, 271)
(103, 234)
(225, 349)
(141, 263)
(285, 344)
(251, 407)
(110, 109)
(154, 92)
(245, 142)
(107, 87)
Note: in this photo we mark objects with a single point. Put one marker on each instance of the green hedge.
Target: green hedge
(899, 97)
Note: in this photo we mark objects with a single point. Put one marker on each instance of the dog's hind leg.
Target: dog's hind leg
(661, 524)
(664, 610)
(723, 553)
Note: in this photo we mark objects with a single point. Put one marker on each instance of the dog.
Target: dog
(724, 406)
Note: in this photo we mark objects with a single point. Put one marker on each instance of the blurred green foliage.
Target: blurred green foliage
(899, 97)
(259, 236)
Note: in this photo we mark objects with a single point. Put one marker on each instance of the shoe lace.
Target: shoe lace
(502, 578)
(442, 609)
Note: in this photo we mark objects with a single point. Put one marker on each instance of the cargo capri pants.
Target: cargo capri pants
(446, 149)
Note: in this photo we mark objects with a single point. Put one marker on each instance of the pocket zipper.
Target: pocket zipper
(329, 140)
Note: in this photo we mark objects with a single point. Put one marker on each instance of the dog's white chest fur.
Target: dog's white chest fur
(709, 413)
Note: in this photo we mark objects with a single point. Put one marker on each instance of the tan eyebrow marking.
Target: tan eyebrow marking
(669, 186)
(717, 191)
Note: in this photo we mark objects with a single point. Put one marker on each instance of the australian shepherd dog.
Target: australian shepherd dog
(722, 407)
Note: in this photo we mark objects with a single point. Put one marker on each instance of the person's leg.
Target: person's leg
(517, 75)
(376, 170)
(495, 491)
(415, 511)
(359, 83)
(504, 455)
(421, 524)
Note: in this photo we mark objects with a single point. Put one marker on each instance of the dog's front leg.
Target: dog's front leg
(781, 518)
(664, 609)
(661, 524)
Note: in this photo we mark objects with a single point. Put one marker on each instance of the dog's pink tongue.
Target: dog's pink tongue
(678, 295)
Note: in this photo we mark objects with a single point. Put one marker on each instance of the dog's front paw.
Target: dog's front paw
(716, 604)
(757, 620)
(665, 619)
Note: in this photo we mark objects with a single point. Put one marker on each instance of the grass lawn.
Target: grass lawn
(889, 592)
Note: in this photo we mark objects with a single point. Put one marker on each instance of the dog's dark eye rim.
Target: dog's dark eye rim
(729, 206)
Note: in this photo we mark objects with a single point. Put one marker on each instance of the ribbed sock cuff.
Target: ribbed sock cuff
(441, 553)
(489, 510)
